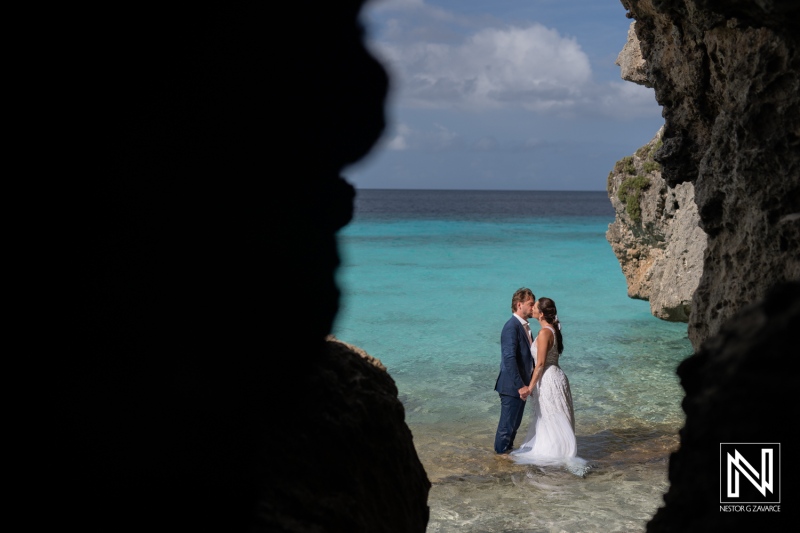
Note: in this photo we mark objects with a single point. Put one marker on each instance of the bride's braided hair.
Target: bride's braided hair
(550, 314)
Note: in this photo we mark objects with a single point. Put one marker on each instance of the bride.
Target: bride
(551, 436)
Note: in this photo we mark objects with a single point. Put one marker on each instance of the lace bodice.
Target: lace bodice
(552, 353)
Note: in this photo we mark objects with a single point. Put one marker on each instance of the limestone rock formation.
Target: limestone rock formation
(728, 77)
(727, 74)
(630, 60)
(655, 234)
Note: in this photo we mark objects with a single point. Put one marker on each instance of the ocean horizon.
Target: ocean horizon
(427, 278)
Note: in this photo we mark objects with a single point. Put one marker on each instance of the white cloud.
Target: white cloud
(533, 67)
(397, 4)
(443, 60)
(414, 7)
(547, 103)
(434, 138)
(399, 141)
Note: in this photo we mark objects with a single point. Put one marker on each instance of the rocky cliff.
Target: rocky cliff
(728, 77)
(727, 74)
(655, 234)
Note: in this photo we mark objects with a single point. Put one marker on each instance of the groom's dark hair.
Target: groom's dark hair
(522, 294)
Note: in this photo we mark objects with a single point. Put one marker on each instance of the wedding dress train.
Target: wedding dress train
(550, 440)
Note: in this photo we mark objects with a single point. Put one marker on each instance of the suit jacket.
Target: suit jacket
(516, 362)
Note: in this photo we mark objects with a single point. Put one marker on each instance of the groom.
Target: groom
(516, 366)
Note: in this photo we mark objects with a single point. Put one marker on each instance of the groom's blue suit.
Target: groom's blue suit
(516, 366)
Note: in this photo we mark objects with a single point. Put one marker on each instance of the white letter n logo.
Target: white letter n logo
(735, 465)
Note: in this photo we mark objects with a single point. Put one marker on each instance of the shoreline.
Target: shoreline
(473, 489)
(450, 456)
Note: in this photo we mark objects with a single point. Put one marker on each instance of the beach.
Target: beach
(427, 279)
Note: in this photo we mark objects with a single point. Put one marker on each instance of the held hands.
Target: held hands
(524, 392)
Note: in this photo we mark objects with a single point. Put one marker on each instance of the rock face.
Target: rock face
(195, 269)
(728, 77)
(734, 386)
(727, 74)
(361, 471)
(655, 234)
(630, 61)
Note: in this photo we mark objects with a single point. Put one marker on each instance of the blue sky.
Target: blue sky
(503, 94)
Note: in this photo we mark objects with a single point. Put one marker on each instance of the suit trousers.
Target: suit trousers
(511, 409)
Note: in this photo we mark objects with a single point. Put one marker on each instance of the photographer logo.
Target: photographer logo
(750, 473)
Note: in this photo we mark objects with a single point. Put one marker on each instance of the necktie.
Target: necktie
(528, 331)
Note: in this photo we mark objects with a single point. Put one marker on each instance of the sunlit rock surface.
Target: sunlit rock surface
(728, 77)
(655, 234)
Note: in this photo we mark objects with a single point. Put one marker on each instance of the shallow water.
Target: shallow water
(427, 279)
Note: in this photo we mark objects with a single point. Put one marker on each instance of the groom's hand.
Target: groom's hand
(524, 392)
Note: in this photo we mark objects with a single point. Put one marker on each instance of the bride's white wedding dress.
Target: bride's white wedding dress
(551, 436)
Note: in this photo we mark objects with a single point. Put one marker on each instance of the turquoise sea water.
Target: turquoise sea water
(427, 279)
